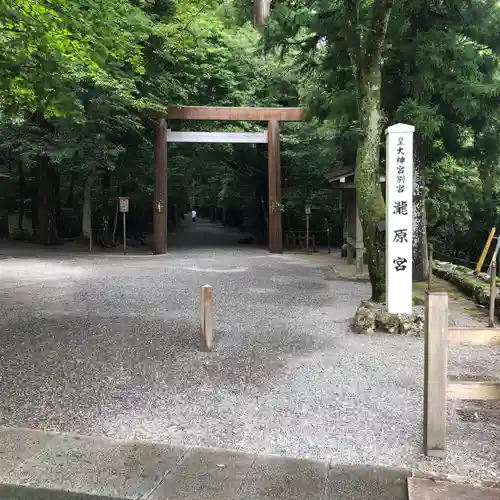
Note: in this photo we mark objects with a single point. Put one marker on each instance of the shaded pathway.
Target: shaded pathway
(203, 233)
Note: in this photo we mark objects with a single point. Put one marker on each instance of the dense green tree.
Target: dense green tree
(436, 68)
(86, 89)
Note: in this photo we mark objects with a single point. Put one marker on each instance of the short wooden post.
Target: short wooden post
(307, 234)
(493, 293)
(435, 373)
(207, 322)
(124, 233)
(429, 271)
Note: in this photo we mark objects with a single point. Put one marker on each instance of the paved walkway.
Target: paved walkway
(107, 345)
(133, 470)
(203, 233)
(36, 465)
(39, 465)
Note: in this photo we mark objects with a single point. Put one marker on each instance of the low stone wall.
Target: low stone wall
(372, 317)
(475, 286)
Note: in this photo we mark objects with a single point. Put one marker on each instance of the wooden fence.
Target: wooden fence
(298, 239)
(437, 387)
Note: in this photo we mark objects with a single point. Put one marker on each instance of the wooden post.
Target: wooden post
(429, 271)
(307, 234)
(207, 324)
(274, 184)
(493, 293)
(435, 373)
(160, 190)
(484, 253)
(124, 233)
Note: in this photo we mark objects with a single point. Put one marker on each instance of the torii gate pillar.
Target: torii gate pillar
(274, 187)
(160, 189)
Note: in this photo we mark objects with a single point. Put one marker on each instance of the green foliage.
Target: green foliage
(79, 80)
(440, 73)
(454, 190)
(51, 49)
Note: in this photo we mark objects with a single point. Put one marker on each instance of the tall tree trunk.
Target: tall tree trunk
(115, 222)
(105, 215)
(368, 189)
(261, 11)
(46, 229)
(87, 206)
(420, 257)
(22, 193)
(34, 198)
(56, 178)
(366, 54)
(71, 191)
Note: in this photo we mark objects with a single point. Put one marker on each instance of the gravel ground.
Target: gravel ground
(108, 345)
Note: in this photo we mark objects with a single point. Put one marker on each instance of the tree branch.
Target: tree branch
(11, 30)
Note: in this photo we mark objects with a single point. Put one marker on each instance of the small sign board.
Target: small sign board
(123, 204)
(308, 209)
(159, 206)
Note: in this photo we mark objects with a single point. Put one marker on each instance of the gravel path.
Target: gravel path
(108, 345)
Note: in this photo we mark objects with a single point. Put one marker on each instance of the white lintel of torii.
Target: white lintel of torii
(219, 137)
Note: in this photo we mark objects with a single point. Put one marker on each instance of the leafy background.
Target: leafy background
(80, 79)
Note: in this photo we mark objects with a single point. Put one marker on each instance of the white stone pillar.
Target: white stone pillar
(399, 217)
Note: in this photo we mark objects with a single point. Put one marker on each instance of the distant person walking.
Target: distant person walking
(193, 215)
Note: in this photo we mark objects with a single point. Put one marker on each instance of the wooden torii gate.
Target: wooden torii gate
(271, 136)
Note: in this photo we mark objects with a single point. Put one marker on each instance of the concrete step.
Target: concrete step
(13, 492)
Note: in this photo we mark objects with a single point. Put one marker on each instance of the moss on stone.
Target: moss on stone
(418, 301)
(420, 285)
